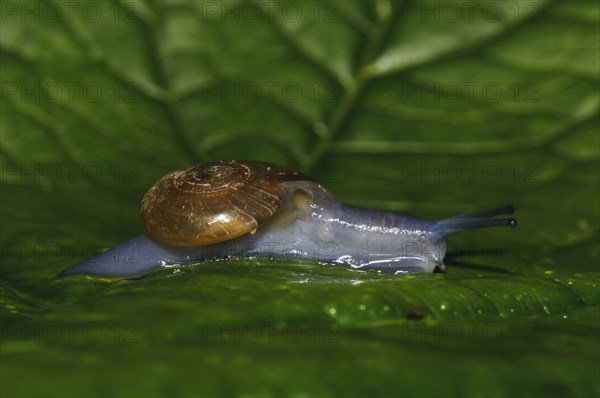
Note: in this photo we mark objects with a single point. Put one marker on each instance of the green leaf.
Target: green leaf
(428, 108)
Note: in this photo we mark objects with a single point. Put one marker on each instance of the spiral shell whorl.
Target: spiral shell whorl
(213, 202)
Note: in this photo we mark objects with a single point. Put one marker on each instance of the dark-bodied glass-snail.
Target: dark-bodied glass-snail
(246, 209)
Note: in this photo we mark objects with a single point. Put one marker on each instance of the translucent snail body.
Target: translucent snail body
(229, 210)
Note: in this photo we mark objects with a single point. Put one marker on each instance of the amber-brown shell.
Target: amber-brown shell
(213, 202)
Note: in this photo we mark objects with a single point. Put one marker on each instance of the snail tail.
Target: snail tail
(131, 259)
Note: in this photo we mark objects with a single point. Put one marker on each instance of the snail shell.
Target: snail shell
(213, 202)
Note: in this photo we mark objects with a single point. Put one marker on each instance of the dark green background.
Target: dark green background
(429, 108)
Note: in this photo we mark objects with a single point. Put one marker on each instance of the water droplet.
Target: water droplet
(546, 309)
(548, 272)
(583, 224)
(362, 307)
(386, 308)
(332, 311)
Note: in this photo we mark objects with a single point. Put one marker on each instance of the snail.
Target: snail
(247, 209)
